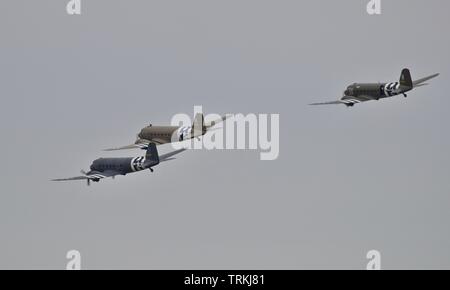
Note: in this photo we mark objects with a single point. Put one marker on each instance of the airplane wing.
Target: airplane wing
(421, 82)
(347, 100)
(328, 103)
(84, 177)
(167, 156)
(94, 175)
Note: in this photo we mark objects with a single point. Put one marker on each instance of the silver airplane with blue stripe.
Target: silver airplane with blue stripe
(362, 92)
(111, 167)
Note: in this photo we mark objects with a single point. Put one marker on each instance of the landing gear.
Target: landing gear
(405, 95)
(151, 169)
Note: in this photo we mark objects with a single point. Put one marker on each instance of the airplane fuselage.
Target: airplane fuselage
(362, 92)
(122, 165)
(373, 91)
(111, 167)
(168, 134)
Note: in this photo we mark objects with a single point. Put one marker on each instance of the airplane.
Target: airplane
(362, 92)
(110, 167)
(168, 134)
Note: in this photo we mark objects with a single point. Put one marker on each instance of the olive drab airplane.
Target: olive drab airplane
(110, 167)
(168, 134)
(362, 92)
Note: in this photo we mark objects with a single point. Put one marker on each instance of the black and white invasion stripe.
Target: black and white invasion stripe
(391, 89)
(137, 163)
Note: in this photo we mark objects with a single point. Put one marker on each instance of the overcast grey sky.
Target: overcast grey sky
(375, 176)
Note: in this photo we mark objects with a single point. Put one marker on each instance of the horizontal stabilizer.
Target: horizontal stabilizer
(215, 122)
(418, 83)
(168, 156)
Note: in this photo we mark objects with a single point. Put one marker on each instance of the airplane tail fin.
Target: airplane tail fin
(405, 79)
(151, 156)
(198, 126)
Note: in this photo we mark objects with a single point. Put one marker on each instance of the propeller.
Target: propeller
(88, 180)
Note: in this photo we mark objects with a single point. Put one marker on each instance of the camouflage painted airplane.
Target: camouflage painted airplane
(168, 134)
(362, 92)
(110, 167)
